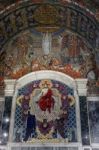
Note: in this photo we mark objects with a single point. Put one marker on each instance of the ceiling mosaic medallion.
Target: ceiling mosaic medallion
(47, 17)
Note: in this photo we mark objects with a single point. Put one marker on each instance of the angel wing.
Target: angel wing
(34, 98)
(57, 99)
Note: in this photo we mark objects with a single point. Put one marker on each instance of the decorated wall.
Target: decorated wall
(61, 36)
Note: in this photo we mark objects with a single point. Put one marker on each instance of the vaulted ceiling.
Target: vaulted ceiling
(74, 30)
(93, 4)
(60, 15)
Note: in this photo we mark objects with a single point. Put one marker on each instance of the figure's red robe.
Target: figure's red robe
(46, 102)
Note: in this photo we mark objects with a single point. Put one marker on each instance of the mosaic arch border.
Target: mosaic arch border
(40, 75)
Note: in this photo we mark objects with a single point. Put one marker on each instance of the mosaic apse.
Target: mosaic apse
(45, 111)
(75, 53)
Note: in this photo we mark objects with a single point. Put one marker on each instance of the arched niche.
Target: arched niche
(66, 89)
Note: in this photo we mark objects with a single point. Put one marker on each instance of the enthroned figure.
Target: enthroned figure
(45, 101)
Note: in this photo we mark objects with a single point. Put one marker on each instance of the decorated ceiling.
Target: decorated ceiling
(59, 35)
(90, 4)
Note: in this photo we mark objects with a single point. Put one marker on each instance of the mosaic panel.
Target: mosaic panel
(45, 110)
(84, 120)
(93, 107)
(67, 53)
